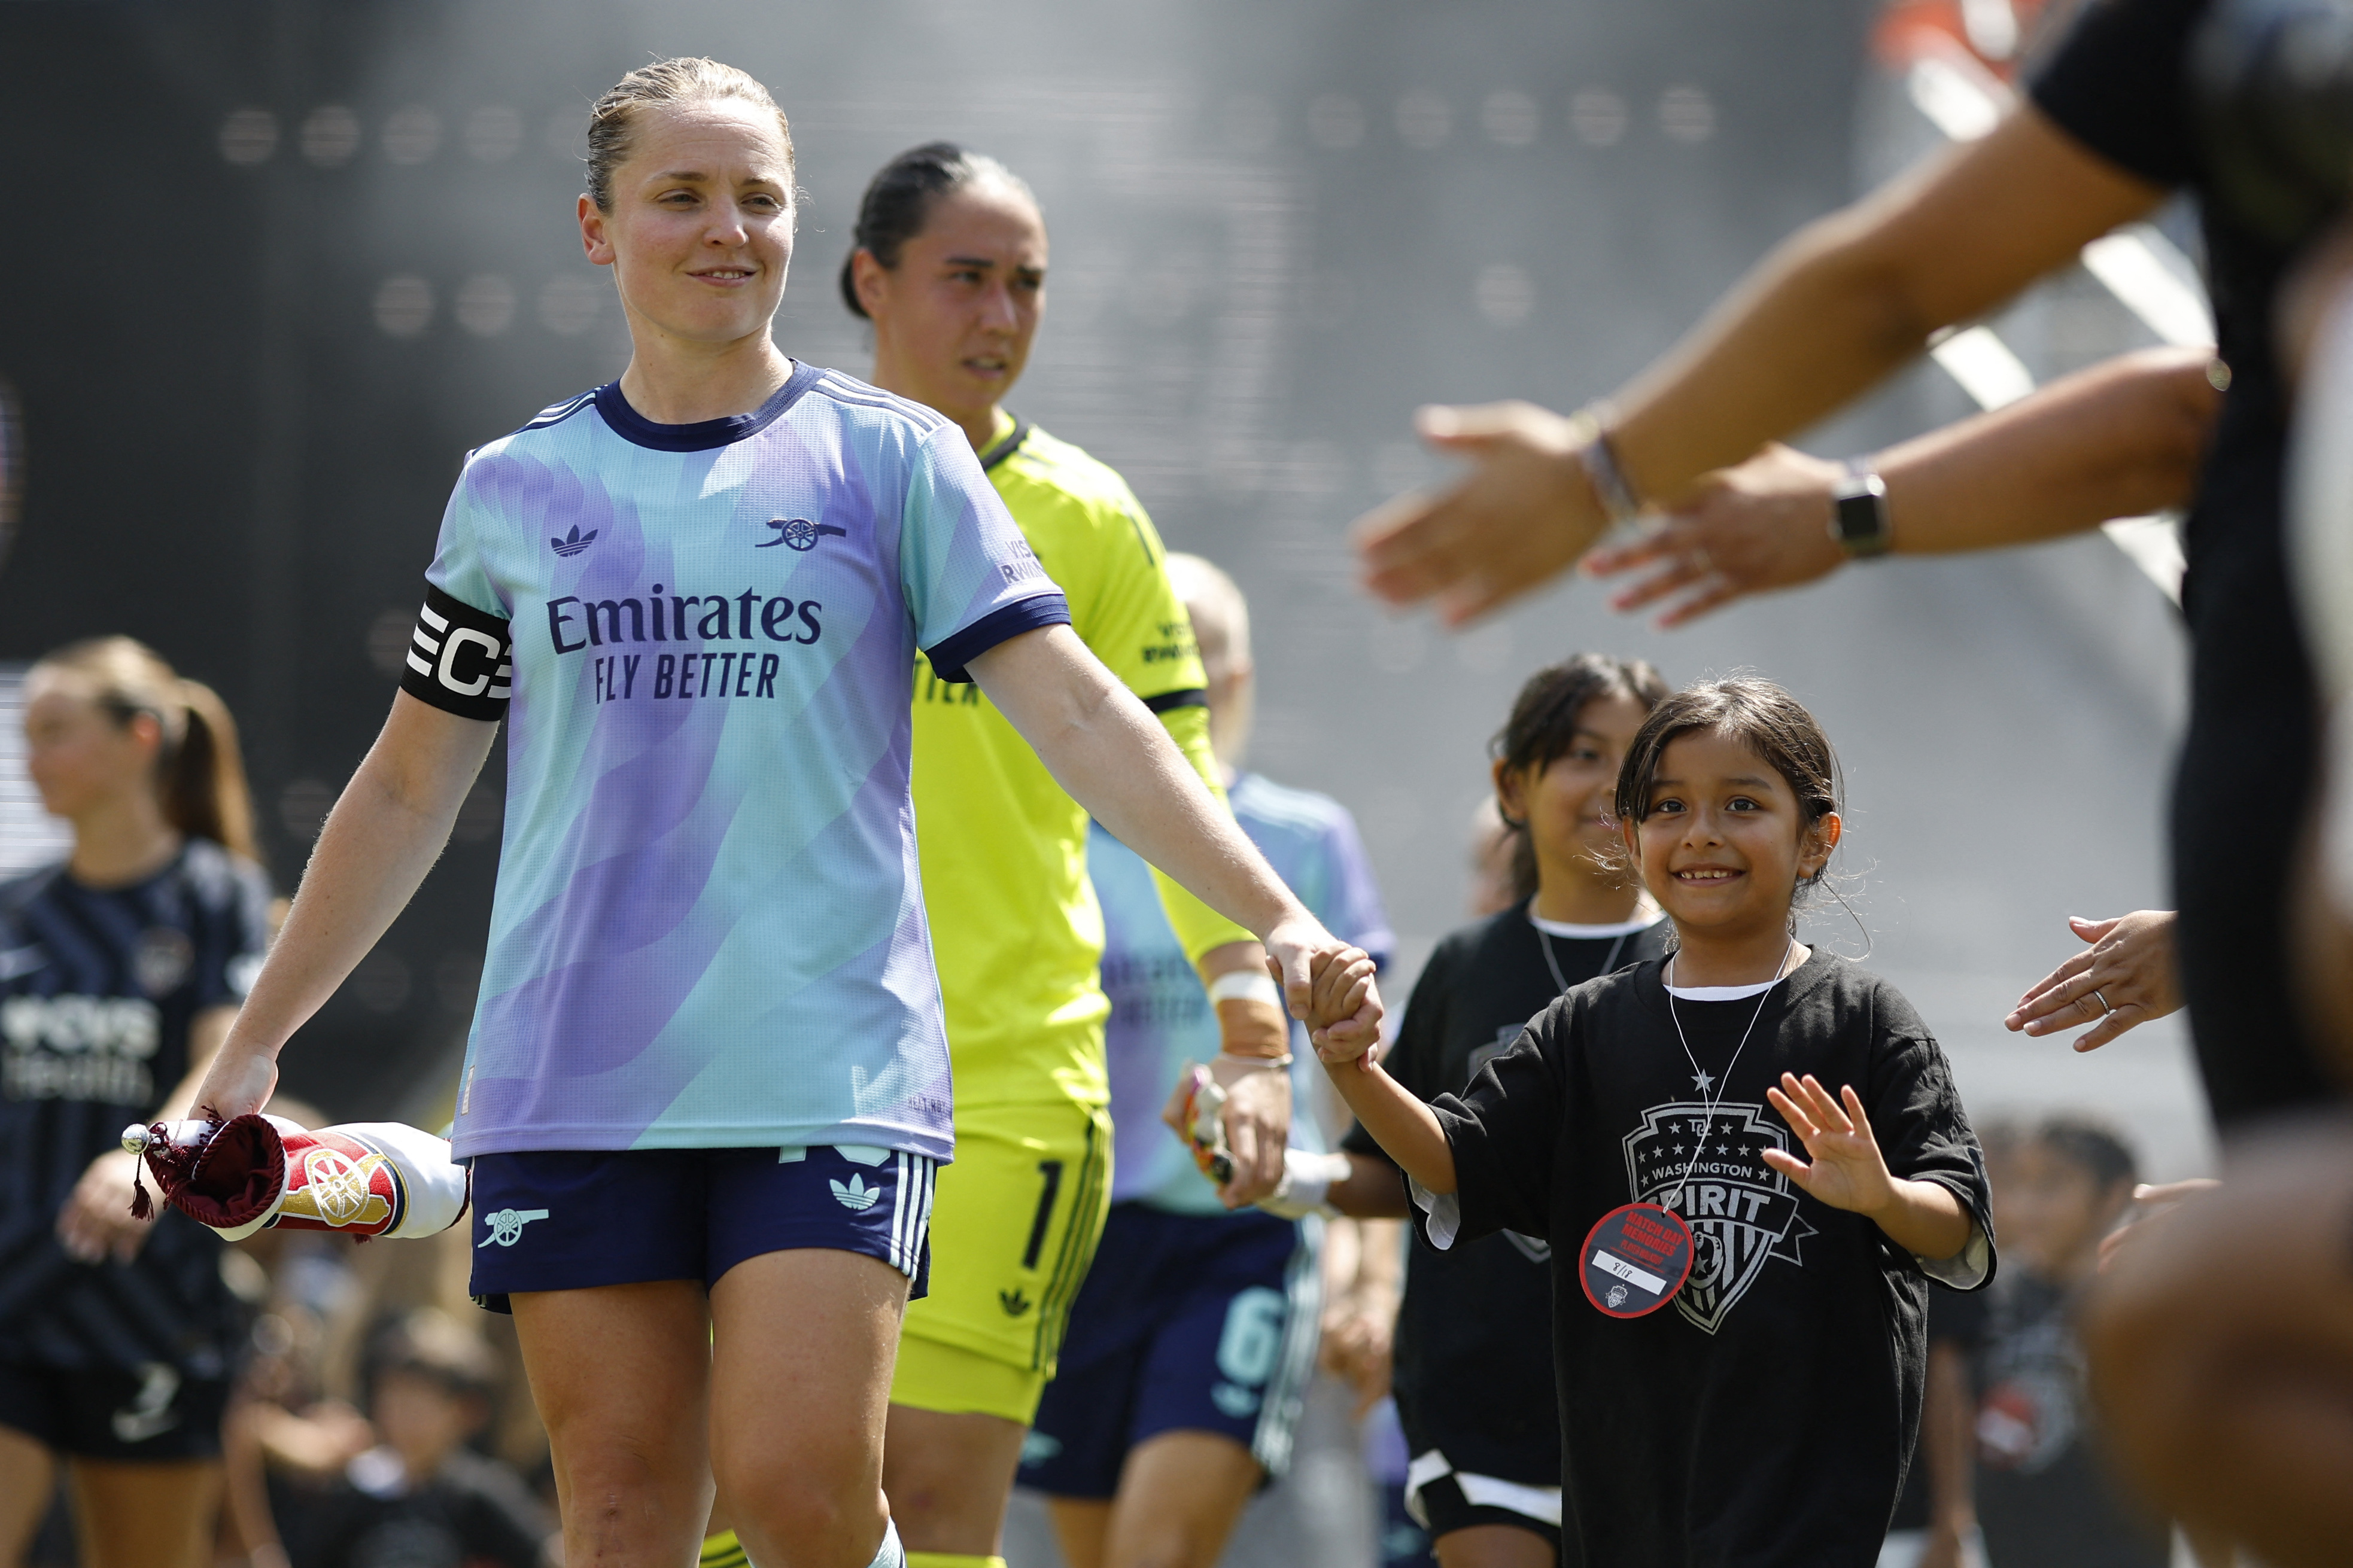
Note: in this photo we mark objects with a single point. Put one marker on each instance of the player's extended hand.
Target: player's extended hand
(1847, 1172)
(1519, 519)
(2150, 1204)
(95, 1222)
(1762, 525)
(2126, 977)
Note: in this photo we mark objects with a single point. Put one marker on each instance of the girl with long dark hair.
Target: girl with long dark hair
(119, 971)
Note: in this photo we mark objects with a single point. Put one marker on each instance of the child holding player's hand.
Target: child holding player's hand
(1668, 1130)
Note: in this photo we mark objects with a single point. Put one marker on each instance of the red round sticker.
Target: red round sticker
(1636, 1258)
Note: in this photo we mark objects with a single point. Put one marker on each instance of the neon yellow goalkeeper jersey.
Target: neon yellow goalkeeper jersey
(1015, 926)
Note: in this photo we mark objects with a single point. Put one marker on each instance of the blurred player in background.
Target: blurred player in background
(1473, 1384)
(707, 1081)
(120, 970)
(950, 269)
(2045, 1496)
(1191, 1343)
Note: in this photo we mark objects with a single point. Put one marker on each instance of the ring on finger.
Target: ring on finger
(2105, 1008)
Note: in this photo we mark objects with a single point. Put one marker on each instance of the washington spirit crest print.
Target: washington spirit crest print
(1741, 1211)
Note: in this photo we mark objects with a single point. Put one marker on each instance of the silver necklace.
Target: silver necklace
(1699, 1075)
(1544, 939)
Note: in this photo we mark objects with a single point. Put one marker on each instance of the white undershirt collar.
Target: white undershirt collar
(1720, 993)
(1564, 931)
(1725, 992)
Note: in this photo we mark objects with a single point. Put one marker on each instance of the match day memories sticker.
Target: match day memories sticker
(1636, 1258)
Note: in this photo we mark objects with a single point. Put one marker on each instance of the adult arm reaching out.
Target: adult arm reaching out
(1839, 306)
(2126, 977)
(2123, 438)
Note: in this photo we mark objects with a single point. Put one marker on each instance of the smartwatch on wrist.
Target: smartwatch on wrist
(1858, 514)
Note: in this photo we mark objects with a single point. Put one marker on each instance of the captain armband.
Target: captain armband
(460, 659)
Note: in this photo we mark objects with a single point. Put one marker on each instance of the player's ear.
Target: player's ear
(594, 239)
(869, 278)
(1509, 804)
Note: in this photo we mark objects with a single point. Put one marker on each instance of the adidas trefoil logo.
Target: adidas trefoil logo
(854, 1194)
(1014, 1302)
(575, 542)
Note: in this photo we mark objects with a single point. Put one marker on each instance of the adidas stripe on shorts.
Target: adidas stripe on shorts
(570, 1220)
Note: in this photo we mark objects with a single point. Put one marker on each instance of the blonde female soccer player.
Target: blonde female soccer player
(708, 1080)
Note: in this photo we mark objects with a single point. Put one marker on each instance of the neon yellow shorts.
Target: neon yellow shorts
(1014, 1224)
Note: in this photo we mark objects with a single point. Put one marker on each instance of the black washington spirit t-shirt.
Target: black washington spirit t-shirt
(1474, 1376)
(100, 987)
(1766, 1417)
(2119, 85)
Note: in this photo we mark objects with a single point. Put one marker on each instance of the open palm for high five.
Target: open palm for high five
(1847, 1172)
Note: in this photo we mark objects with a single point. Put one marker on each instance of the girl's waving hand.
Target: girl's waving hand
(1848, 1172)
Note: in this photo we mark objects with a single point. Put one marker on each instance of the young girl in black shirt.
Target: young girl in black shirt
(1783, 1111)
(1473, 1376)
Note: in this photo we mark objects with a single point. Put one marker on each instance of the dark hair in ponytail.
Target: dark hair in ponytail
(199, 775)
(1544, 722)
(899, 199)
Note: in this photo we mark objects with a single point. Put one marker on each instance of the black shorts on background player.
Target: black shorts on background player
(101, 987)
(1474, 1374)
(1767, 1415)
(2120, 85)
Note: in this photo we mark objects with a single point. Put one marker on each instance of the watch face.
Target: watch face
(1863, 520)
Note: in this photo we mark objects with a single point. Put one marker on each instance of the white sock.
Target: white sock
(890, 1554)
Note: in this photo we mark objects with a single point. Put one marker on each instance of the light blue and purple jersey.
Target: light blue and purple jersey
(708, 927)
(1161, 1017)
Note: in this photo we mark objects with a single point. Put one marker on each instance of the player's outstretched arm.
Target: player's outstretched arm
(383, 835)
(2120, 439)
(1107, 750)
(1835, 309)
(1848, 1172)
(2127, 976)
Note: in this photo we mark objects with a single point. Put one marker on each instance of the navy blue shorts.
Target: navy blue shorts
(152, 1412)
(1187, 1322)
(571, 1220)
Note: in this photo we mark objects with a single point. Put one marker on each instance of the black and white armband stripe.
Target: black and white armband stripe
(460, 659)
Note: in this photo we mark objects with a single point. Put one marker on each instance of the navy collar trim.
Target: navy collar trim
(1006, 448)
(703, 434)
